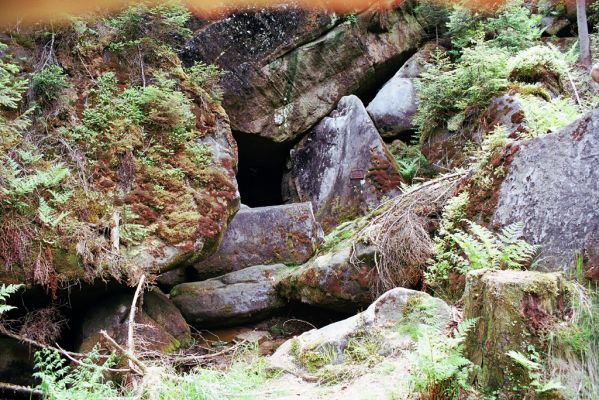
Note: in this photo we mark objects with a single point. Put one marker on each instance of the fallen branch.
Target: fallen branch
(20, 389)
(143, 369)
(78, 362)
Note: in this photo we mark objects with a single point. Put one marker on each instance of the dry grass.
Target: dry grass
(43, 325)
(401, 233)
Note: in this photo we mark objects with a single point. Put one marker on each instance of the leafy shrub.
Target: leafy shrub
(206, 77)
(513, 27)
(49, 83)
(451, 93)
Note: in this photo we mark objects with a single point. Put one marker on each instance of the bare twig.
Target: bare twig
(132, 311)
(78, 362)
(141, 367)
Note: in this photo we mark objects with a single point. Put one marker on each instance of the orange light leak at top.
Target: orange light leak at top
(32, 11)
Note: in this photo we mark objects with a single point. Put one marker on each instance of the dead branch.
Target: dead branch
(132, 311)
(142, 368)
(78, 362)
(20, 389)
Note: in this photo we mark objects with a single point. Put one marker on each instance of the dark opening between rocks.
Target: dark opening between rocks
(261, 168)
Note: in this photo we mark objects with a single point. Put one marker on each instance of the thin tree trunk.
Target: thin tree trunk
(583, 33)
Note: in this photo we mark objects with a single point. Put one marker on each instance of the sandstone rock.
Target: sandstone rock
(381, 318)
(342, 166)
(234, 298)
(512, 308)
(267, 235)
(551, 187)
(285, 68)
(159, 323)
(332, 281)
(553, 25)
(395, 104)
(394, 107)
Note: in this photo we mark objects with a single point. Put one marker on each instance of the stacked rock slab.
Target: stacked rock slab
(343, 166)
(339, 279)
(287, 234)
(234, 298)
(285, 69)
(551, 187)
(512, 308)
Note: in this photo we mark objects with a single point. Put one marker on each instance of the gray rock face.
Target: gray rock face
(267, 235)
(507, 111)
(285, 68)
(394, 107)
(332, 281)
(159, 322)
(16, 362)
(231, 299)
(381, 317)
(343, 166)
(553, 25)
(552, 186)
(395, 104)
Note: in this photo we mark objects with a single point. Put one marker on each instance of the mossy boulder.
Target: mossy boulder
(286, 234)
(159, 323)
(514, 309)
(234, 298)
(338, 279)
(286, 68)
(381, 329)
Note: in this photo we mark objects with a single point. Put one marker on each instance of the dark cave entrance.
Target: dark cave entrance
(262, 164)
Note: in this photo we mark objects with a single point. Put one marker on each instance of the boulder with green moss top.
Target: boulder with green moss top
(386, 327)
(513, 309)
(231, 299)
(339, 279)
(285, 69)
(159, 323)
(343, 166)
(551, 187)
(286, 234)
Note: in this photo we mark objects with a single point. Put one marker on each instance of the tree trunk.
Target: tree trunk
(583, 33)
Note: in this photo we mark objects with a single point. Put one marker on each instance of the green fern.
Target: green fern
(5, 292)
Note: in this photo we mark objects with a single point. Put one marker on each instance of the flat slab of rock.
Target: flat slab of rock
(343, 166)
(513, 308)
(287, 234)
(285, 69)
(381, 318)
(332, 281)
(552, 187)
(159, 322)
(238, 297)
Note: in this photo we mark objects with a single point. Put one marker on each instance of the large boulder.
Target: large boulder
(551, 187)
(343, 166)
(238, 297)
(285, 69)
(159, 323)
(339, 279)
(513, 308)
(381, 320)
(394, 106)
(16, 363)
(287, 234)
